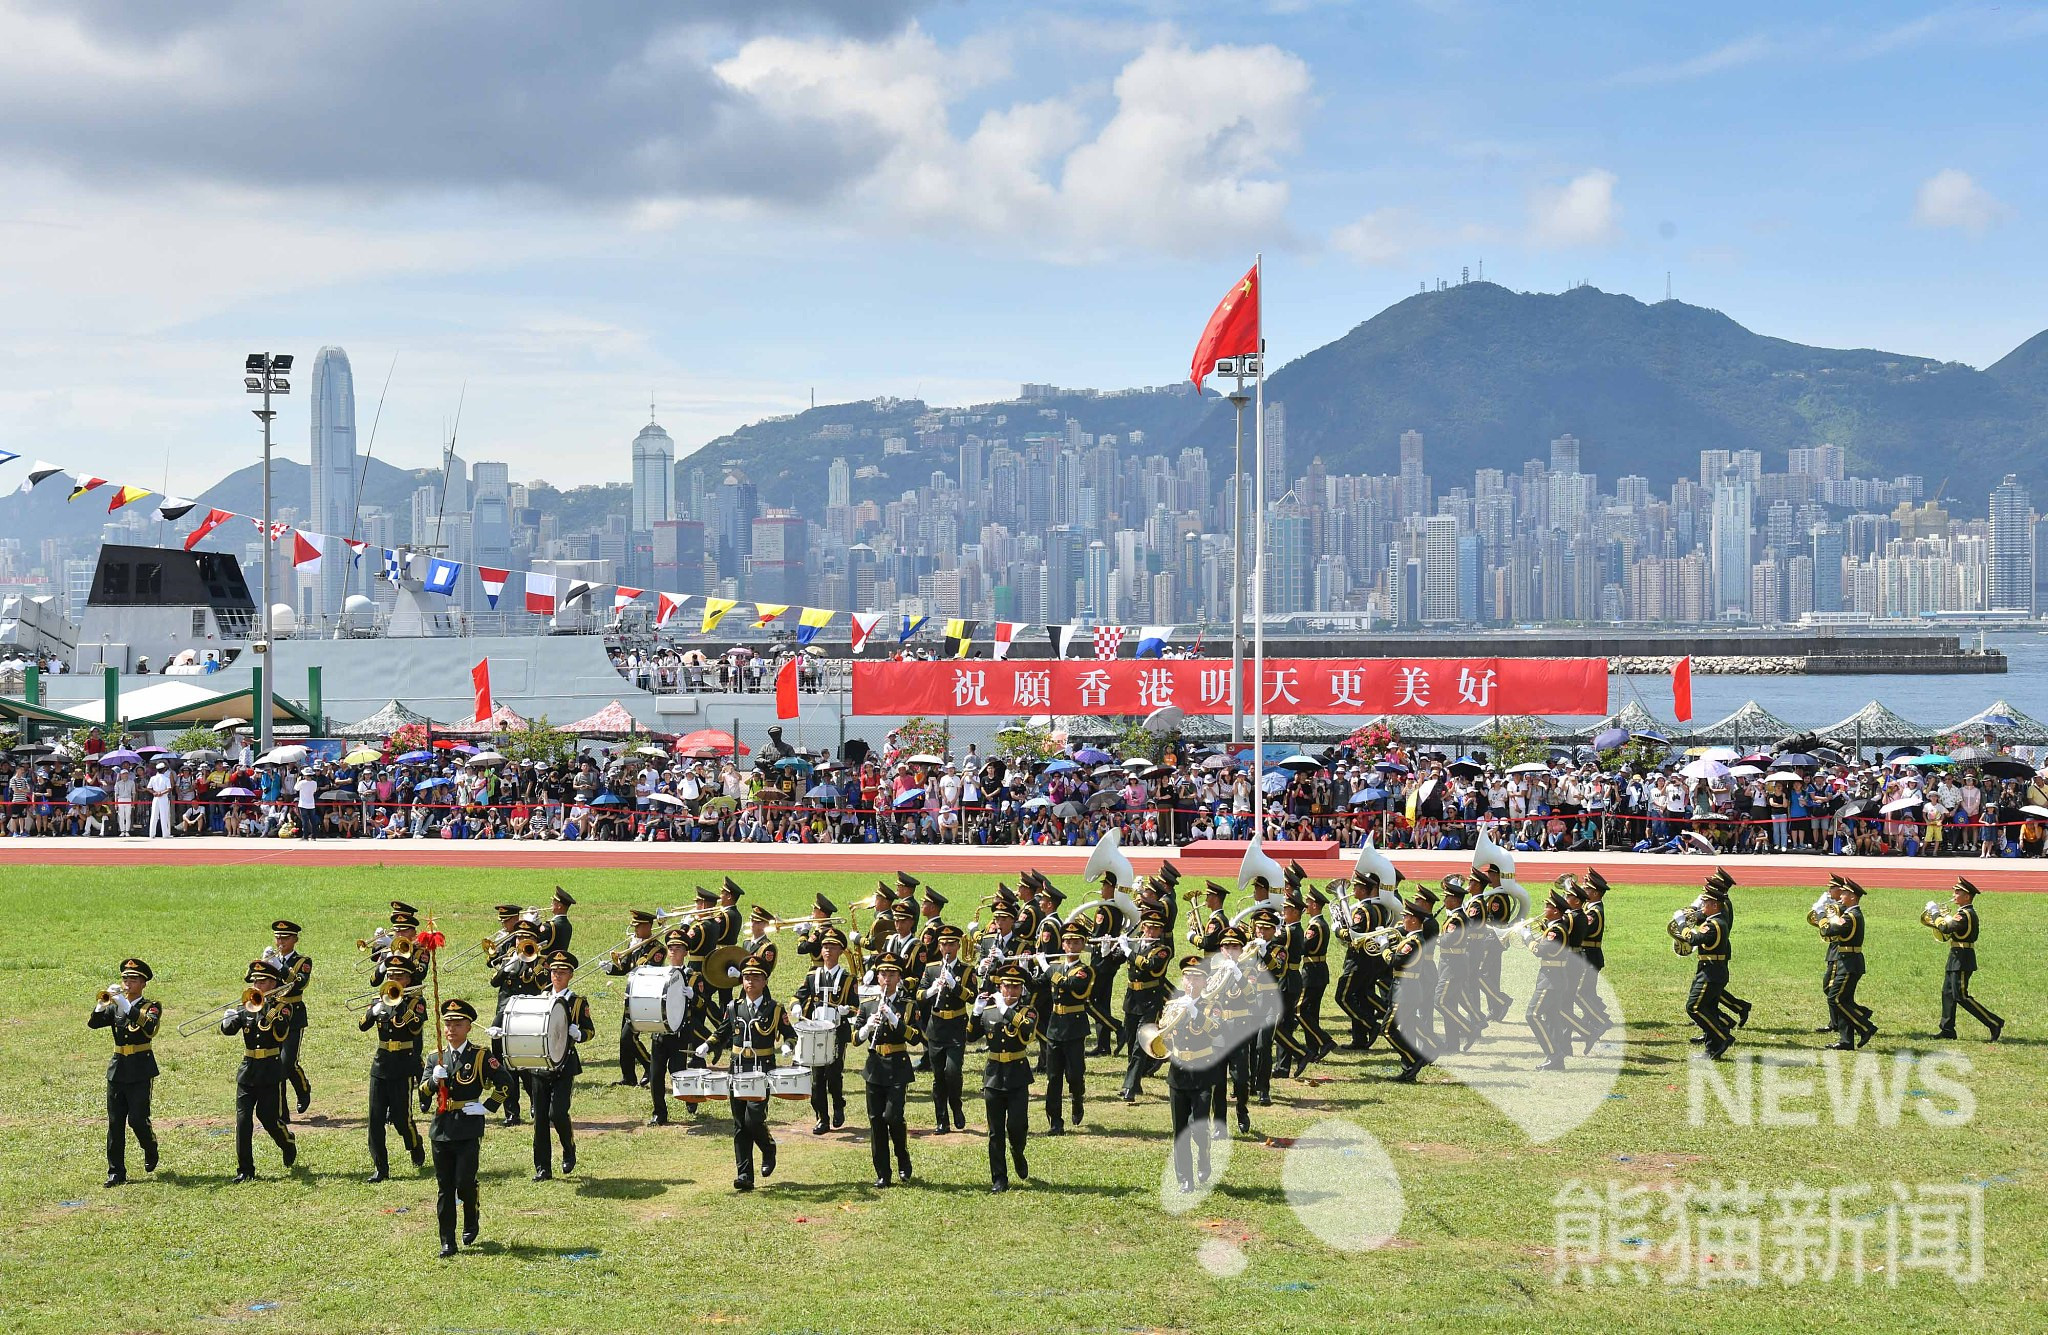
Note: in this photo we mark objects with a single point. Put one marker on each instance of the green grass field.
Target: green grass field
(648, 1234)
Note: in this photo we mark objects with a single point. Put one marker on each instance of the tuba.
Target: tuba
(1108, 860)
(1487, 855)
(1372, 862)
(1258, 866)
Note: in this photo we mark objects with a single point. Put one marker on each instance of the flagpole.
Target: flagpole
(1259, 560)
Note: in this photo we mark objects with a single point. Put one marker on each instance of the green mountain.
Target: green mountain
(1489, 376)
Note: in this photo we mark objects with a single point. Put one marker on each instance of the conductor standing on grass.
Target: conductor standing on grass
(753, 1024)
(462, 1088)
(131, 1071)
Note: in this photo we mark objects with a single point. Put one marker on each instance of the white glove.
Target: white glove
(788, 1050)
(703, 1049)
(228, 1013)
(377, 1010)
(495, 1031)
(933, 991)
(439, 1073)
(576, 1032)
(475, 1109)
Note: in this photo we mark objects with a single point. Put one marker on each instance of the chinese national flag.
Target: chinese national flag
(1681, 690)
(785, 691)
(1233, 331)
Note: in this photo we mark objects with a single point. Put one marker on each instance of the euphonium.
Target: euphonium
(1680, 920)
(1934, 919)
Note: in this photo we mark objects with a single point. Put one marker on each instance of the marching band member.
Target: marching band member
(401, 942)
(556, 931)
(1192, 1031)
(513, 954)
(1456, 987)
(1269, 953)
(295, 971)
(643, 949)
(1116, 914)
(1498, 911)
(1007, 1022)
(728, 917)
(131, 1071)
(1294, 1053)
(1735, 1010)
(1960, 929)
(672, 1051)
(884, 1029)
(1071, 984)
(265, 1025)
(463, 1087)
(1234, 1014)
(1408, 1031)
(1045, 940)
(1592, 910)
(933, 908)
(1550, 998)
(551, 1089)
(752, 1025)
(1002, 942)
(1708, 939)
(1144, 996)
(760, 945)
(942, 999)
(1581, 1020)
(395, 1066)
(1358, 979)
(1843, 931)
(830, 984)
(807, 933)
(1315, 976)
(1206, 933)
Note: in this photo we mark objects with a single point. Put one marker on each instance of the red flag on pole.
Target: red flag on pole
(480, 678)
(1681, 690)
(1233, 331)
(214, 519)
(785, 690)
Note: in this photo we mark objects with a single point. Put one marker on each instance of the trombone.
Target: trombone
(259, 1004)
(390, 994)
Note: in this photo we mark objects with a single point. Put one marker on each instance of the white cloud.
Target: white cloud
(1581, 212)
(1952, 198)
(1185, 161)
(1380, 237)
(1730, 55)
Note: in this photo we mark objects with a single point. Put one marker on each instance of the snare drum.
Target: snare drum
(790, 1082)
(535, 1033)
(687, 1085)
(750, 1086)
(817, 1042)
(656, 1000)
(717, 1084)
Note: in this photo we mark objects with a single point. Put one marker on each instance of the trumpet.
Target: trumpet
(527, 951)
(210, 1015)
(380, 939)
(108, 994)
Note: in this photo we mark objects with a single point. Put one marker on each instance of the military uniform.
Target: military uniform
(674, 1051)
(394, 1069)
(1070, 984)
(1844, 934)
(640, 952)
(748, 1033)
(884, 1027)
(943, 993)
(552, 1090)
(513, 974)
(1193, 1033)
(1498, 911)
(1267, 1003)
(1961, 929)
(1457, 991)
(295, 969)
(1365, 982)
(259, 1084)
(1408, 1032)
(1550, 999)
(1145, 990)
(1236, 1032)
(1703, 1005)
(464, 1084)
(1314, 958)
(1591, 946)
(1006, 1080)
(131, 1071)
(833, 986)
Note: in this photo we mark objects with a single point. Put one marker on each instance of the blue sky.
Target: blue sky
(567, 209)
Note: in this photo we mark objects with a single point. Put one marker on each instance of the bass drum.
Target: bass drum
(535, 1033)
(657, 999)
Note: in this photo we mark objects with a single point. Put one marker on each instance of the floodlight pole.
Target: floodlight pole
(265, 368)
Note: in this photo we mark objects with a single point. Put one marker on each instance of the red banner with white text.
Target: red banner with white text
(1576, 686)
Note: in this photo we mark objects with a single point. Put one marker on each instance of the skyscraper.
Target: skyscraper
(654, 472)
(2009, 555)
(334, 470)
(1730, 543)
(1414, 482)
(839, 483)
(1277, 479)
(1440, 569)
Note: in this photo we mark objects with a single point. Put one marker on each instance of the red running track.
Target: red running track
(1929, 875)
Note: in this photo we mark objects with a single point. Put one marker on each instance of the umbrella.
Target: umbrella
(1039, 803)
(1899, 752)
(924, 758)
(283, 755)
(1724, 754)
(1067, 810)
(1611, 740)
(152, 750)
(2006, 767)
(34, 749)
(1365, 795)
(1274, 782)
(85, 795)
(1303, 764)
(1467, 765)
(1165, 719)
(652, 752)
(438, 781)
(1654, 739)
(362, 755)
(2033, 810)
(607, 800)
(719, 804)
(1091, 755)
(817, 792)
(1795, 760)
(1930, 761)
(908, 797)
(1392, 767)
(1137, 763)
(234, 792)
(1744, 771)
(1219, 762)
(1060, 767)
(414, 758)
(1784, 776)
(486, 760)
(671, 800)
(229, 724)
(1105, 801)
(1704, 768)
(716, 741)
(206, 755)
(792, 762)
(1157, 772)
(1857, 806)
(338, 795)
(1530, 767)
(1106, 772)
(121, 757)
(1898, 804)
